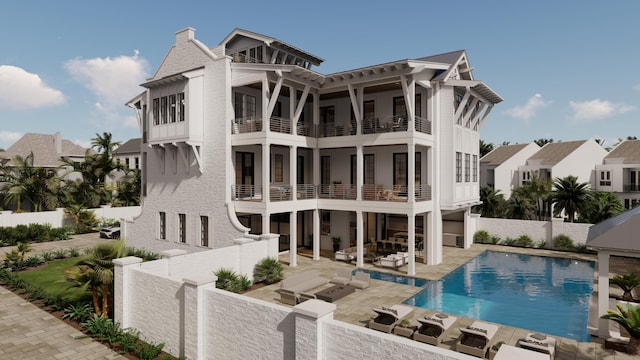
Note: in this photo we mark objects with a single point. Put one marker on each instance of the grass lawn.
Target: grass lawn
(51, 279)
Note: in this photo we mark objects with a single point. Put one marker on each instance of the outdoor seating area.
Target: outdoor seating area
(393, 261)
(349, 254)
(292, 287)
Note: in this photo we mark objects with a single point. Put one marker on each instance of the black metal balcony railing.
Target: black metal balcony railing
(423, 125)
(281, 125)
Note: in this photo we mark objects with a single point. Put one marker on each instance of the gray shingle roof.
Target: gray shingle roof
(553, 153)
(629, 150)
(502, 153)
(132, 146)
(617, 233)
(45, 151)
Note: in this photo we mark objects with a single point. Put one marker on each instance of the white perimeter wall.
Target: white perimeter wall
(172, 304)
(56, 217)
(537, 230)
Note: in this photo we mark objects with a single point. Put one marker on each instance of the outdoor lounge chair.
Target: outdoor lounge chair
(475, 338)
(539, 342)
(343, 277)
(360, 280)
(388, 318)
(432, 328)
(393, 261)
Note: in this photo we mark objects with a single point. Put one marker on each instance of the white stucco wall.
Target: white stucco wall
(537, 230)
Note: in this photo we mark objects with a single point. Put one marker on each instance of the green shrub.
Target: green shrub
(148, 351)
(542, 244)
(47, 256)
(481, 237)
(21, 233)
(60, 254)
(78, 312)
(128, 340)
(563, 242)
(509, 241)
(524, 241)
(229, 280)
(102, 328)
(268, 270)
(73, 252)
(33, 261)
(495, 239)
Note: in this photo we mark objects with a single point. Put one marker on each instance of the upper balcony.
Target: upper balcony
(372, 126)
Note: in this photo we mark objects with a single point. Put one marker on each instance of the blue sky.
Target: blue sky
(567, 70)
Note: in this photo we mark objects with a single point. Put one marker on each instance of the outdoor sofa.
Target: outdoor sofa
(291, 287)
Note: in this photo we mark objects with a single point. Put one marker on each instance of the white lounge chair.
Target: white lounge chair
(391, 261)
(388, 318)
(432, 328)
(360, 280)
(475, 338)
(343, 277)
(539, 342)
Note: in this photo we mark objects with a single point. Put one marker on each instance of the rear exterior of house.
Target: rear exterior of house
(619, 173)
(247, 138)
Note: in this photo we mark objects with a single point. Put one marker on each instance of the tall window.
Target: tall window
(156, 111)
(204, 231)
(182, 228)
(278, 168)
(418, 170)
(475, 168)
(467, 167)
(325, 170)
(163, 110)
(137, 161)
(400, 169)
(181, 106)
(163, 225)
(458, 166)
(245, 106)
(172, 108)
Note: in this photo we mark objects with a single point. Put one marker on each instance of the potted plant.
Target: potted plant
(336, 242)
(627, 283)
(629, 319)
(494, 349)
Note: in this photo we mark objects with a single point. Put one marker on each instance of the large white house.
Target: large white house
(246, 137)
(499, 168)
(620, 173)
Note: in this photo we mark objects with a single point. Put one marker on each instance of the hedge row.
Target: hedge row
(11, 235)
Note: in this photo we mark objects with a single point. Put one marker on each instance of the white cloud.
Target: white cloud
(588, 111)
(9, 136)
(20, 89)
(113, 81)
(636, 87)
(529, 109)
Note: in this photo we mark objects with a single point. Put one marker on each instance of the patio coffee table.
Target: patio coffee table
(335, 292)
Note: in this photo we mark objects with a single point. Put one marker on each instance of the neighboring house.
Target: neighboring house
(246, 137)
(619, 173)
(48, 152)
(128, 154)
(561, 159)
(499, 168)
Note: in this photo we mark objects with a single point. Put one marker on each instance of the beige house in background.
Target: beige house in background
(499, 168)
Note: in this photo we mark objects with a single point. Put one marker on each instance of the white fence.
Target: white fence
(537, 230)
(56, 217)
(174, 301)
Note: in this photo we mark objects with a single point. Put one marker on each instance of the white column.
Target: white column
(603, 293)
(121, 303)
(293, 232)
(194, 319)
(411, 235)
(359, 239)
(266, 166)
(293, 172)
(309, 318)
(359, 171)
(316, 234)
(411, 173)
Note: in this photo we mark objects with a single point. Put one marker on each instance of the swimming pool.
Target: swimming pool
(538, 293)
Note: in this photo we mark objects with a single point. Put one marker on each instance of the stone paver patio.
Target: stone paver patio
(356, 308)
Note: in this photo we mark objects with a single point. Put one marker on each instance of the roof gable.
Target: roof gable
(502, 153)
(628, 150)
(132, 146)
(553, 153)
(46, 152)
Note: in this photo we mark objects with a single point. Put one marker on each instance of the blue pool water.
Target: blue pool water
(544, 294)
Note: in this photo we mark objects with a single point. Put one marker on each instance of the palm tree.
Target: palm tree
(485, 148)
(604, 205)
(105, 146)
(95, 273)
(492, 202)
(539, 194)
(24, 181)
(520, 207)
(129, 189)
(627, 283)
(542, 142)
(629, 319)
(570, 196)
